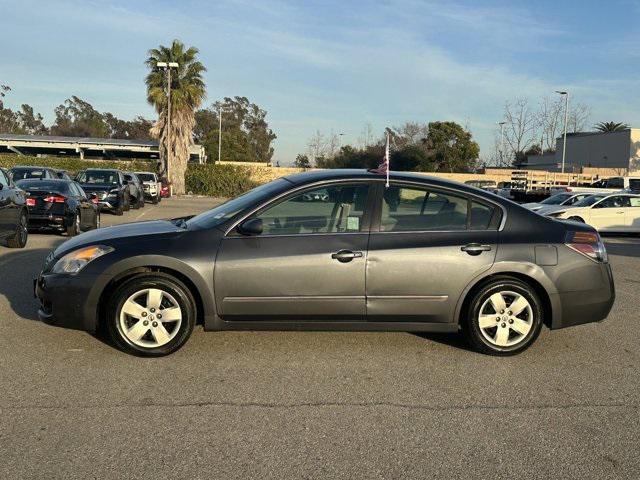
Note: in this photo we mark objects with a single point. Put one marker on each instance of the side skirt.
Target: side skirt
(217, 324)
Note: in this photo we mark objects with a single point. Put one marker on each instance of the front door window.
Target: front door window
(326, 209)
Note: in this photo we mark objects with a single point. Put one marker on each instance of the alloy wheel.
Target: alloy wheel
(505, 318)
(23, 229)
(150, 318)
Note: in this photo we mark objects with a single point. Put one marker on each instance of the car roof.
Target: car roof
(358, 174)
(101, 170)
(42, 180)
(35, 167)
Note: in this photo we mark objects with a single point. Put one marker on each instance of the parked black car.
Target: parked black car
(60, 205)
(22, 173)
(136, 190)
(13, 213)
(110, 187)
(436, 256)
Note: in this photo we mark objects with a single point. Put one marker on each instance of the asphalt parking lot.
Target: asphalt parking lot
(315, 405)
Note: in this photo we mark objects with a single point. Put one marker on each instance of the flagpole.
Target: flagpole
(388, 159)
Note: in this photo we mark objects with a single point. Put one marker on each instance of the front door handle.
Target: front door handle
(475, 248)
(344, 256)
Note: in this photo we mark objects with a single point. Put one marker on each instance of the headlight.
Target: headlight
(75, 261)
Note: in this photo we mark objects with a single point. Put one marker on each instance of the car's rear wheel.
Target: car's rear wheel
(135, 203)
(504, 317)
(155, 199)
(151, 315)
(126, 206)
(21, 235)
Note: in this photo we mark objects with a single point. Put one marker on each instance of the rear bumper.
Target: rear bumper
(47, 221)
(586, 306)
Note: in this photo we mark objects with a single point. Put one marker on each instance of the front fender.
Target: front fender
(119, 269)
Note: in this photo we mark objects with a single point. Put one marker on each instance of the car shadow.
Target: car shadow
(455, 340)
(18, 268)
(629, 247)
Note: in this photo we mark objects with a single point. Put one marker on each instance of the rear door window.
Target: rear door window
(412, 208)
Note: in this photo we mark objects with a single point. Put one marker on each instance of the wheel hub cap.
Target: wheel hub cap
(141, 325)
(505, 319)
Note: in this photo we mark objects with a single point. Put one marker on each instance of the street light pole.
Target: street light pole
(566, 114)
(219, 132)
(167, 66)
(502, 142)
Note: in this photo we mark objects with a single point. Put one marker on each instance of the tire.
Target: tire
(576, 219)
(120, 210)
(129, 309)
(141, 201)
(488, 317)
(135, 204)
(154, 200)
(74, 229)
(126, 203)
(21, 235)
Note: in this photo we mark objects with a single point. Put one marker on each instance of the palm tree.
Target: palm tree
(611, 126)
(187, 93)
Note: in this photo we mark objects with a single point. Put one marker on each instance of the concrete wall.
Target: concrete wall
(604, 150)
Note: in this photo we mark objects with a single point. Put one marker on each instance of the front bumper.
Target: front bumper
(68, 300)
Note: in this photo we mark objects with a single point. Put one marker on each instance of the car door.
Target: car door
(633, 214)
(426, 246)
(87, 216)
(308, 262)
(6, 222)
(609, 214)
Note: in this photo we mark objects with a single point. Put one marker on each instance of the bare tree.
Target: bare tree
(520, 126)
(550, 118)
(316, 146)
(366, 137)
(578, 117)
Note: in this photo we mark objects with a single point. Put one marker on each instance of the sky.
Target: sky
(333, 65)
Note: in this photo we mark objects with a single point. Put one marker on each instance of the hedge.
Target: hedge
(208, 179)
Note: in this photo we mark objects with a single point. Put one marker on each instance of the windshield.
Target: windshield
(147, 177)
(557, 199)
(223, 212)
(587, 202)
(100, 177)
(22, 173)
(43, 186)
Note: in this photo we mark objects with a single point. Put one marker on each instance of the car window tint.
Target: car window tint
(634, 184)
(328, 209)
(614, 202)
(3, 179)
(615, 182)
(416, 209)
(480, 216)
(634, 201)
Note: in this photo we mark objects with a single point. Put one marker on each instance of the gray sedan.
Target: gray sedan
(421, 254)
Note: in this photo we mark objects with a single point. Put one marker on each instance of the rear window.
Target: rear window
(634, 184)
(43, 186)
(22, 173)
(99, 177)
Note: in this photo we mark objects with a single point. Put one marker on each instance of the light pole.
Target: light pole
(502, 124)
(219, 132)
(167, 66)
(566, 114)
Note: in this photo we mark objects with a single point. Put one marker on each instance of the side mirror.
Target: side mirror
(253, 226)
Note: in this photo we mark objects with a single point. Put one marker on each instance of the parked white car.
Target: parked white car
(618, 212)
(151, 185)
(604, 185)
(557, 202)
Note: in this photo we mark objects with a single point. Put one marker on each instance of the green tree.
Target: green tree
(246, 136)
(187, 93)
(611, 126)
(30, 122)
(302, 161)
(451, 147)
(77, 118)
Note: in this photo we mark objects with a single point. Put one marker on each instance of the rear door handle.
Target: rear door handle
(475, 248)
(344, 256)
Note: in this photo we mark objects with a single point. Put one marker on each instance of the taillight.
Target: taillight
(31, 202)
(55, 199)
(588, 244)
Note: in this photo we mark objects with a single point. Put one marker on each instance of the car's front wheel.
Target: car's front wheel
(504, 317)
(151, 315)
(19, 238)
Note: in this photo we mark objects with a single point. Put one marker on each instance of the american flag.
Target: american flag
(383, 168)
